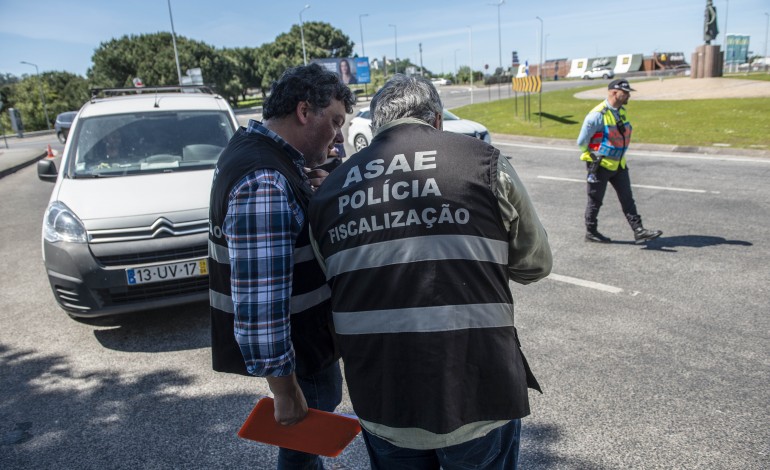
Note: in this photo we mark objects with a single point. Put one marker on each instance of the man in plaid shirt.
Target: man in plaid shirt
(269, 296)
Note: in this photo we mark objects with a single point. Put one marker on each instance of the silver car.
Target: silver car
(126, 227)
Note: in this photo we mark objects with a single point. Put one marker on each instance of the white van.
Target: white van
(126, 228)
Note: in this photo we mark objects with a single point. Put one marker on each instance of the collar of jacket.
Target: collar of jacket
(397, 122)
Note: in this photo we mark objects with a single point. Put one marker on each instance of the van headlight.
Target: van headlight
(60, 224)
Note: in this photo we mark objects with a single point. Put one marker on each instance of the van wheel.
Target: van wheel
(62, 138)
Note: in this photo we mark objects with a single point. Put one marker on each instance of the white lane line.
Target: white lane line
(574, 180)
(584, 283)
(646, 153)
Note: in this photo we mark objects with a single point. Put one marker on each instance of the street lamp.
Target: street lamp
(540, 67)
(767, 24)
(456, 63)
(470, 65)
(42, 96)
(395, 36)
(540, 73)
(173, 41)
(360, 25)
(499, 40)
(302, 33)
(724, 38)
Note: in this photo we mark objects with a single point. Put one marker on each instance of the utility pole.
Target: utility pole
(499, 41)
(421, 73)
(470, 66)
(173, 41)
(767, 24)
(395, 40)
(302, 33)
(540, 73)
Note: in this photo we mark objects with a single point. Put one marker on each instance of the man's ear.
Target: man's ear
(302, 111)
(439, 124)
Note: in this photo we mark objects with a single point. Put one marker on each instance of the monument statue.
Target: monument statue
(710, 30)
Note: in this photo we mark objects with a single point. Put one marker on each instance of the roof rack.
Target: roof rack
(105, 92)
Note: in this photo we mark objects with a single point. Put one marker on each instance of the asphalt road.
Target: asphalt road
(650, 356)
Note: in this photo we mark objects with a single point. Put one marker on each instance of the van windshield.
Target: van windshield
(152, 142)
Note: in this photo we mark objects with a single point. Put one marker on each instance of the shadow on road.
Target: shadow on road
(163, 330)
(536, 449)
(690, 241)
(53, 415)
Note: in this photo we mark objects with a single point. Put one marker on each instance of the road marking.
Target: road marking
(574, 180)
(645, 153)
(584, 283)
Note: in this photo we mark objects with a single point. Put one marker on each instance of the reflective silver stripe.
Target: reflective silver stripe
(221, 301)
(409, 250)
(303, 254)
(219, 253)
(302, 302)
(299, 303)
(424, 319)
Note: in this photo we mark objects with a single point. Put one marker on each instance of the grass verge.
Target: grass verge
(737, 122)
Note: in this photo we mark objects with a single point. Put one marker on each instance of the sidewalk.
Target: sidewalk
(12, 160)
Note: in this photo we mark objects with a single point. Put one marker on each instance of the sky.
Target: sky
(63, 35)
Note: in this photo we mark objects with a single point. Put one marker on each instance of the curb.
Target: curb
(7, 171)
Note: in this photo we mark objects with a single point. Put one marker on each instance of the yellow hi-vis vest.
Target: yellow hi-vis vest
(610, 142)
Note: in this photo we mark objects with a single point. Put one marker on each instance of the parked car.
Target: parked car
(599, 72)
(126, 227)
(441, 81)
(360, 130)
(63, 124)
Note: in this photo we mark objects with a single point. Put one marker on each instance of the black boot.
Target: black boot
(642, 235)
(593, 235)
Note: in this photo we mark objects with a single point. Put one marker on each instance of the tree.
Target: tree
(151, 57)
(246, 65)
(322, 41)
(63, 91)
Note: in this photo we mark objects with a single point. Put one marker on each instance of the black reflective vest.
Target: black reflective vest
(311, 329)
(417, 253)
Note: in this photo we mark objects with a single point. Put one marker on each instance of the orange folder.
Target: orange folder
(319, 433)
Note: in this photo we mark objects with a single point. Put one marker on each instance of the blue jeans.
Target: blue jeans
(323, 391)
(498, 450)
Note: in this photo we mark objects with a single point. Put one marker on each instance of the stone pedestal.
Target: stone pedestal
(706, 62)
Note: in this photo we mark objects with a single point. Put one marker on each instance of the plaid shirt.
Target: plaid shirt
(262, 224)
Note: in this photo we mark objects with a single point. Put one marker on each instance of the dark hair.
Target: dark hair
(311, 83)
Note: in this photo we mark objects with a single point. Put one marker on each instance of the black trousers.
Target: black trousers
(619, 180)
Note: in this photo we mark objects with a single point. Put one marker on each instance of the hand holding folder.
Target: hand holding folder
(320, 433)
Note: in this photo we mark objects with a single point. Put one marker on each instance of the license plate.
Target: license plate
(167, 272)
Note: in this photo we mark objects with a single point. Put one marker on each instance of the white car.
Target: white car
(600, 72)
(360, 130)
(126, 227)
(441, 81)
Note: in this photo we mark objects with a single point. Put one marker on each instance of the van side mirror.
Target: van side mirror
(46, 170)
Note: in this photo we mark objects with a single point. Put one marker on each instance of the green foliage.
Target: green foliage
(322, 41)
(151, 57)
(115, 63)
(62, 91)
(740, 123)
